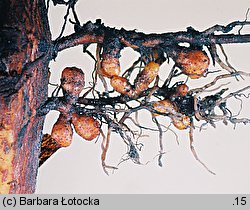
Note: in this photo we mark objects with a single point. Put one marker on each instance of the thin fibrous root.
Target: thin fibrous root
(104, 147)
(194, 152)
(223, 76)
(160, 140)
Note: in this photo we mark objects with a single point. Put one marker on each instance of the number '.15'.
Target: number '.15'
(241, 201)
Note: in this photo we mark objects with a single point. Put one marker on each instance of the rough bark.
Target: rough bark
(25, 51)
(24, 41)
(112, 38)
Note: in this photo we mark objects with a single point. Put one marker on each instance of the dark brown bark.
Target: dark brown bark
(98, 33)
(24, 44)
(25, 51)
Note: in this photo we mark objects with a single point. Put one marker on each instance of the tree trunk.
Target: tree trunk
(24, 44)
(25, 51)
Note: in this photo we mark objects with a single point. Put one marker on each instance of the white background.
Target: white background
(226, 151)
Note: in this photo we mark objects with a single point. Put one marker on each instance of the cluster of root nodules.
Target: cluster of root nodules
(113, 108)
